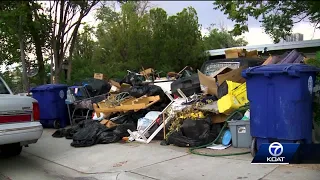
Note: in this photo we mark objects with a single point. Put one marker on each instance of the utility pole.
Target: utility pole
(23, 57)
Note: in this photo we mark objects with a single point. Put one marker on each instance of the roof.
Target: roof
(271, 47)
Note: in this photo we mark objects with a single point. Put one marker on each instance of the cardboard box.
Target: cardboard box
(98, 76)
(218, 118)
(208, 83)
(146, 72)
(232, 53)
(252, 54)
(234, 76)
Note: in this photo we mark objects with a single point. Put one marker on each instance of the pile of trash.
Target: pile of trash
(187, 116)
(112, 127)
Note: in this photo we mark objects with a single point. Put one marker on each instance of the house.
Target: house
(308, 48)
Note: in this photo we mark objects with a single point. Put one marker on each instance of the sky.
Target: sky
(207, 16)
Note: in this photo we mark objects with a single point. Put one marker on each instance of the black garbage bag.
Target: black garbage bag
(97, 87)
(60, 133)
(130, 117)
(121, 130)
(155, 90)
(132, 79)
(138, 91)
(121, 119)
(151, 90)
(107, 137)
(69, 131)
(195, 129)
(88, 135)
(133, 117)
(193, 134)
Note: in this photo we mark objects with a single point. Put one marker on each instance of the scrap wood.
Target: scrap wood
(146, 72)
(130, 104)
(267, 61)
(108, 123)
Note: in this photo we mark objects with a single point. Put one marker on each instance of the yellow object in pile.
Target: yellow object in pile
(232, 86)
(235, 98)
(227, 104)
(241, 94)
(193, 115)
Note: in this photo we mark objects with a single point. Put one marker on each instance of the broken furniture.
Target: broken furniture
(130, 104)
(79, 97)
(167, 115)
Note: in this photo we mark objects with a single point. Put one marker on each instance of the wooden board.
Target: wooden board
(130, 104)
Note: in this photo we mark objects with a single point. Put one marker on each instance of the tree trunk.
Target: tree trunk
(72, 45)
(42, 72)
(23, 60)
(69, 69)
(38, 43)
(51, 67)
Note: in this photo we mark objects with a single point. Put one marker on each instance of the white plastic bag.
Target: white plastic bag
(144, 122)
(246, 116)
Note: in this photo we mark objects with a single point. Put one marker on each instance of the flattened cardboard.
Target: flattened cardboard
(234, 76)
(209, 83)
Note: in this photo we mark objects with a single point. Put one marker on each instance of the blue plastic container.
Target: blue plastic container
(226, 139)
(51, 99)
(280, 98)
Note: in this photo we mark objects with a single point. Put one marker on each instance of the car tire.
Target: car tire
(253, 147)
(56, 124)
(10, 149)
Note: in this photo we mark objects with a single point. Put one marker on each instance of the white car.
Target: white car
(19, 121)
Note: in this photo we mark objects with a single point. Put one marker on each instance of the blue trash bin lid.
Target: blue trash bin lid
(226, 139)
(48, 87)
(290, 69)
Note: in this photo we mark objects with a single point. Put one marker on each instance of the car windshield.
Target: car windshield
(3, 88)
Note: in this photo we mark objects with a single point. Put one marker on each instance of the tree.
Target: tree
(67, 17)
(131, 40)
(13, 25)
(27, 20)
(84, 63)
(221, 38)
(184, 42)
(278, 17)
(123, 38)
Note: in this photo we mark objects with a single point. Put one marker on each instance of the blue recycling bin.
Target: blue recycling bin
(280, 98)
(51, 99)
